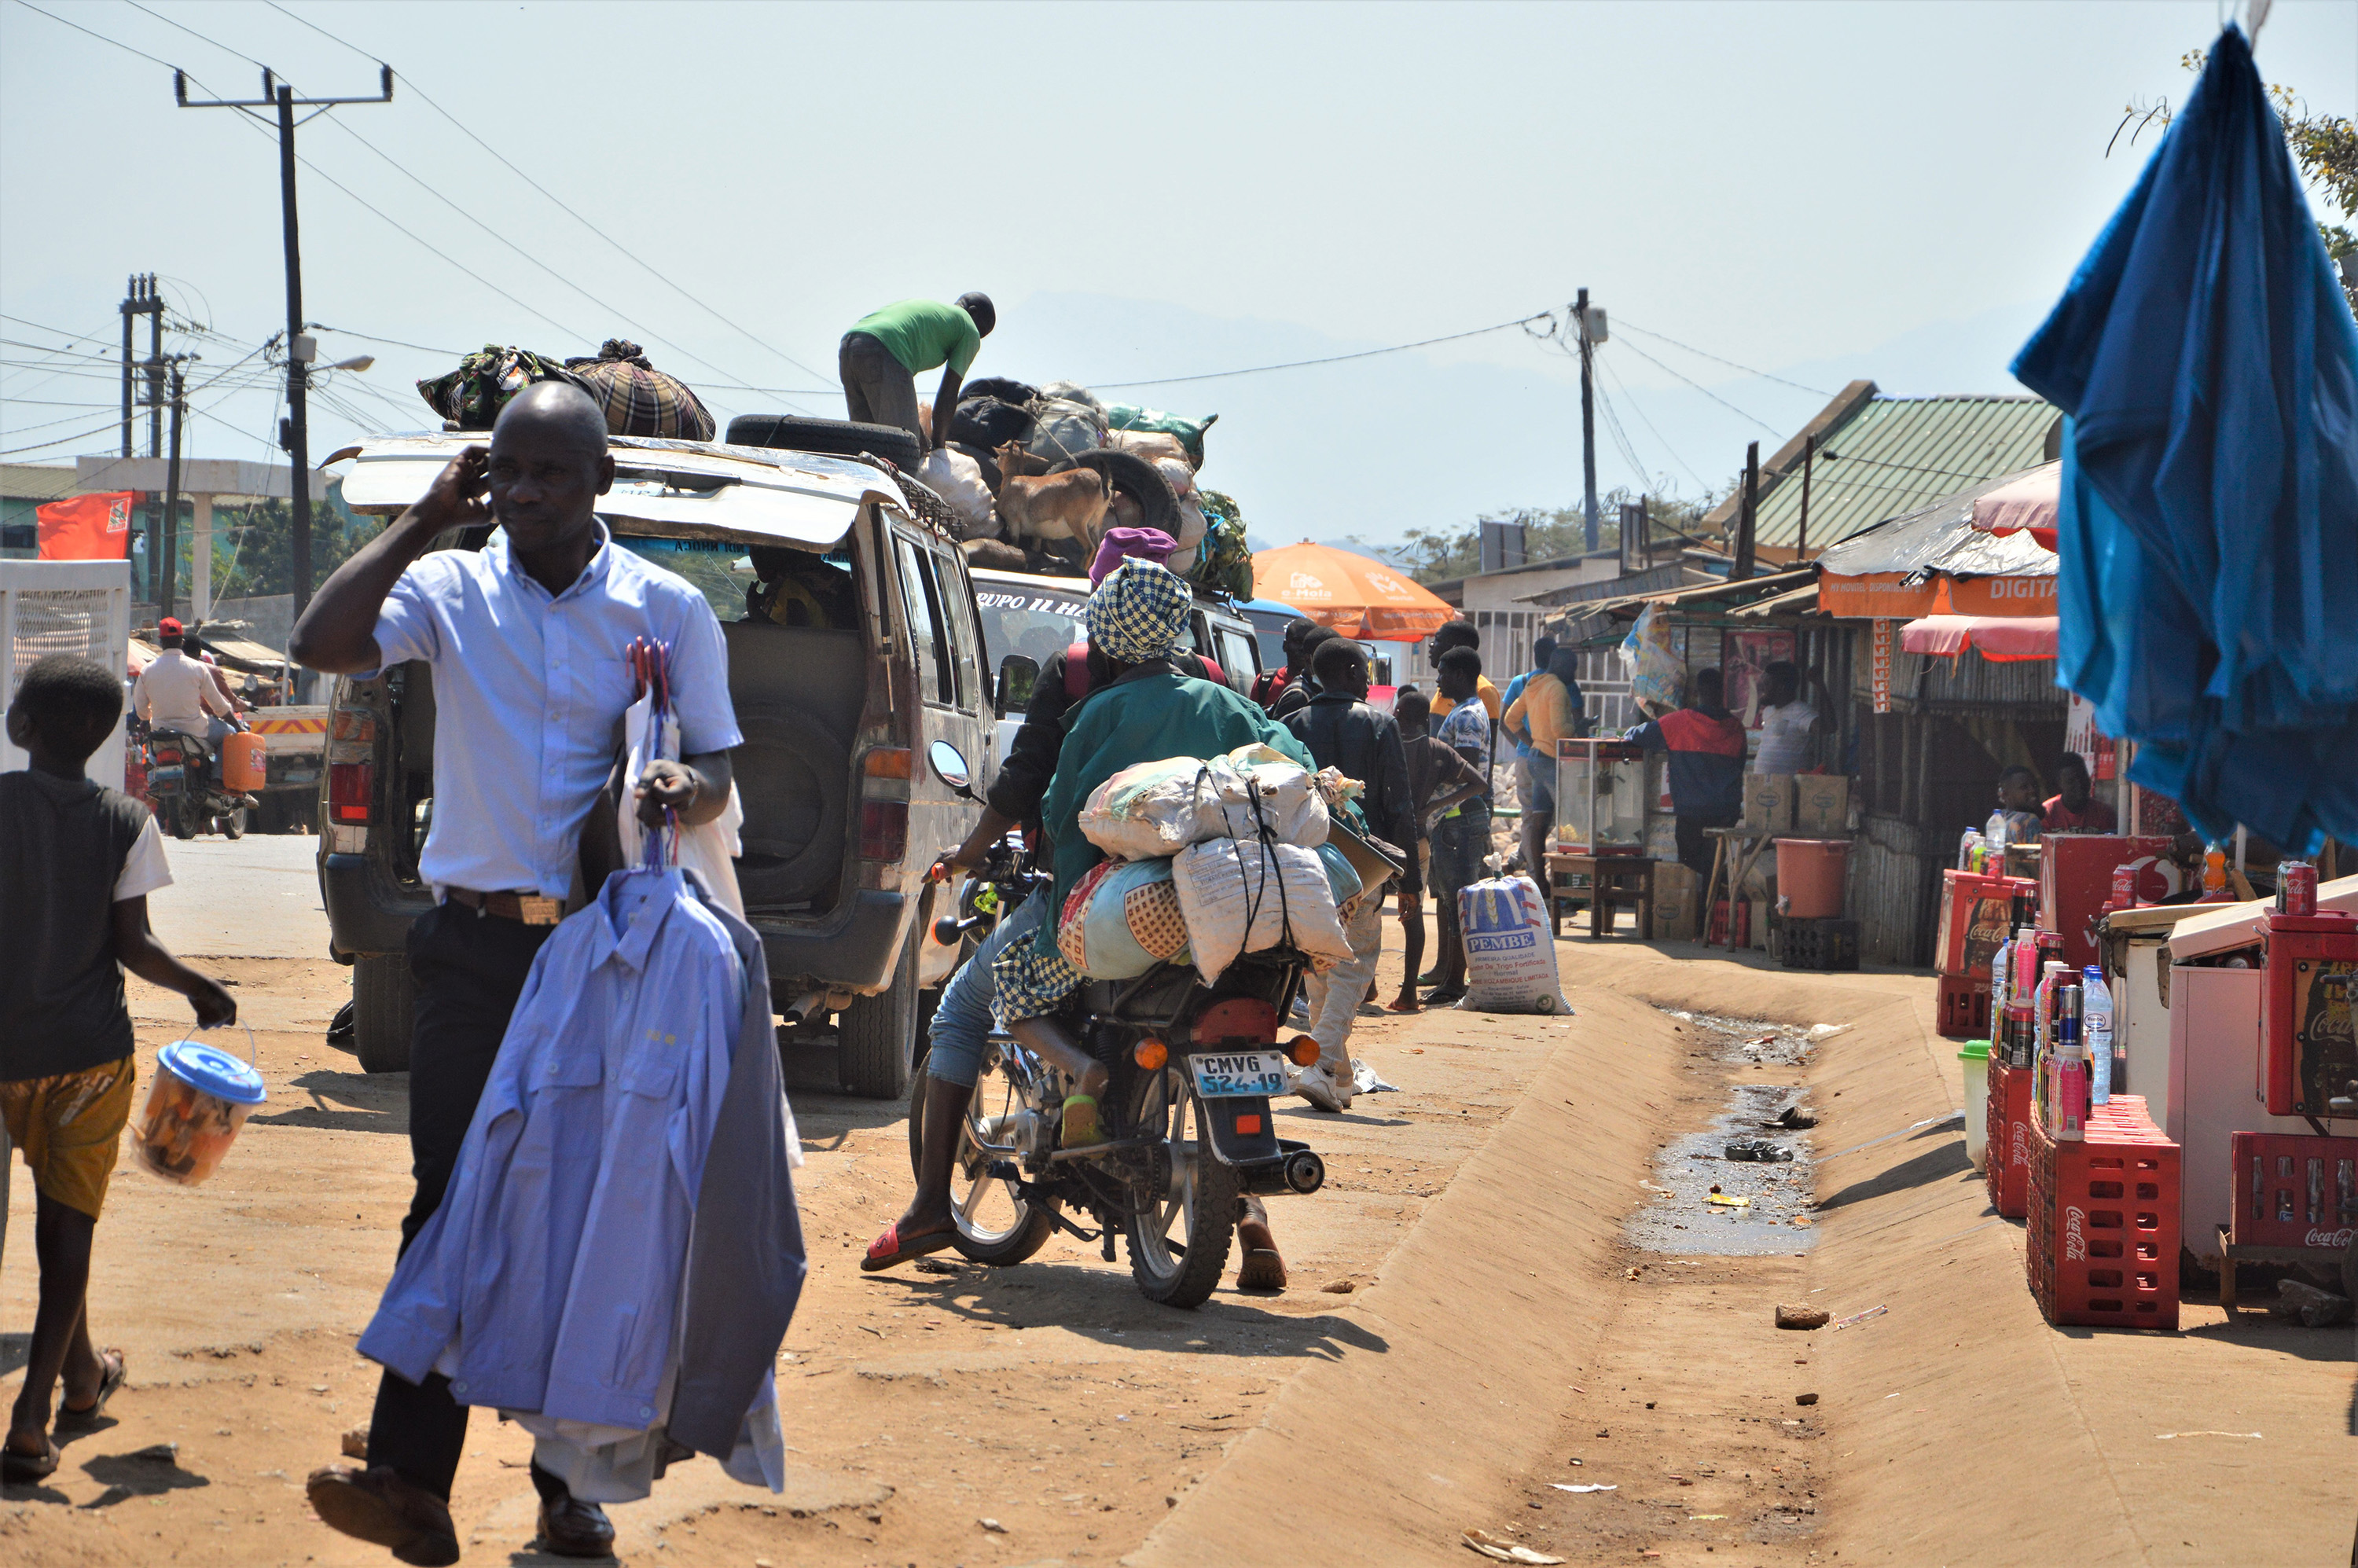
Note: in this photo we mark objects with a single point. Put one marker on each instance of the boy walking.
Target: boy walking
(77, 863)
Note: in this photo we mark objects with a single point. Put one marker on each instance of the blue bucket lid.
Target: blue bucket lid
(215, 1072)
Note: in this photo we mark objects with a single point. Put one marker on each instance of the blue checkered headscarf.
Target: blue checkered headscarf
(1139, 611)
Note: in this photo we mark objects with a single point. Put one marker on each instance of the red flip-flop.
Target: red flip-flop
(889, 1249)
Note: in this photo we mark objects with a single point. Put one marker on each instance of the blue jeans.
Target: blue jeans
(962, 1019)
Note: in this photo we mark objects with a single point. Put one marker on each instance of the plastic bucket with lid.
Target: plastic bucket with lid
(1975, 1060)
(199, 1099)
(1810, 877)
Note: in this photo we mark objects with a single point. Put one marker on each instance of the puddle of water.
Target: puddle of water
(1679, 1217)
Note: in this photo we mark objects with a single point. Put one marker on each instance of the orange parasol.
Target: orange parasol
(1357, 596)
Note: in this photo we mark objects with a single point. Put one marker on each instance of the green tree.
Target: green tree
(2324, 148)
(255, 549)
(1441, 555)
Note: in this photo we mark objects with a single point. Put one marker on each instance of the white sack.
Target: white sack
(1152, 809)
(1290, 806)
(957, 480)
(1510, 952)
(1246, 897)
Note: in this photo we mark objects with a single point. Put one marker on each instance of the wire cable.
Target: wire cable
(595, 229)
(1328, 360)
(1638, 408)
(216, 43)
(1628, 325)
(1707, 392)
(101, 37)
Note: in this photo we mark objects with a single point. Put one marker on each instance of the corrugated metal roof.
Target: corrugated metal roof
(1941, 537)
(36, 481)
(1897, 454)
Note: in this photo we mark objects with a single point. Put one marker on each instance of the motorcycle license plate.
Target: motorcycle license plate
(1257, 1072)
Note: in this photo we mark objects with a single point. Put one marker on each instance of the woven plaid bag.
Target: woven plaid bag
(639, 399)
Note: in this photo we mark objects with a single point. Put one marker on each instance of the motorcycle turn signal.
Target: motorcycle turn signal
(1304, 1052)
(1150, 1054)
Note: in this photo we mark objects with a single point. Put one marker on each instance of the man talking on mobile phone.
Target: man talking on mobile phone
(527, 640)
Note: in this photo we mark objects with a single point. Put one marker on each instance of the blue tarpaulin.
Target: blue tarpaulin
(2208, 526)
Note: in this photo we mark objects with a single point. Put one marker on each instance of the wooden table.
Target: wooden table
(1614, 881)
(1732, 850)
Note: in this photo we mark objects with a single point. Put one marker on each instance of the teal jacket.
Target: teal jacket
(1149, 714)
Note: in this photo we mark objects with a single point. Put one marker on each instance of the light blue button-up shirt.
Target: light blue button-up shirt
(529, 691)
(554, 1262)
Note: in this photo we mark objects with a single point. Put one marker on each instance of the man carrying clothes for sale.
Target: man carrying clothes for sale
(529, 640)
(1706, 771)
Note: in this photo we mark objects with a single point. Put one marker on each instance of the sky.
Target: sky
(1767, 199)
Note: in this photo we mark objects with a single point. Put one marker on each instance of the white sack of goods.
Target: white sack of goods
(1245, 896)
(957, 480)
(1152, 809)
(1122, 919)
(1275, 797)
(1509, 953)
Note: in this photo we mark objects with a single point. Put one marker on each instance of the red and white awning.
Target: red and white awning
(2001, 638)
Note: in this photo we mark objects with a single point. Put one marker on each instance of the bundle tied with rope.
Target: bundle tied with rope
(637, 398)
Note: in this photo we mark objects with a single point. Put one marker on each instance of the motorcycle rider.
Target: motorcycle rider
(961, 1022)
(178, 693)
(1140, 706)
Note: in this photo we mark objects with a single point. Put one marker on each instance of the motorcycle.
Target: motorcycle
(183, 787)
(1187, 1115)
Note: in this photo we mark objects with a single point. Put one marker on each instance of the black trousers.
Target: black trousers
(470, 970)
(1694, 849)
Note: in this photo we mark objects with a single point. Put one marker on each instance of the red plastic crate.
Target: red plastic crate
(1977, 918)
(2293, 1189)
(1965, 1007)
(2105, 1222)
(1717, 936)
(2006, 1164)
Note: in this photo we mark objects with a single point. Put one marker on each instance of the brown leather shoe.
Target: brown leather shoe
(571, 1528)
(378, 1506)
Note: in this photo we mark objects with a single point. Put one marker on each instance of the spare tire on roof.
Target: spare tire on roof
(1004, 388)
(829, 438)
(989, 423)
(1134, 476)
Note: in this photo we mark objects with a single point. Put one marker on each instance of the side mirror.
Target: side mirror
(1018, 674)
(949, 766)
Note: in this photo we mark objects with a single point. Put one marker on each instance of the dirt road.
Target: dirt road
(1501, 1337)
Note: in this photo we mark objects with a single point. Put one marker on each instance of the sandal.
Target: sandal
(1080, 1124)
(110, 1379)
(29, 1469)
(1404, 1004)
(892, 1247)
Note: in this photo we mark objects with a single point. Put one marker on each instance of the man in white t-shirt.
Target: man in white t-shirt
(1788, 724)
(176, 692)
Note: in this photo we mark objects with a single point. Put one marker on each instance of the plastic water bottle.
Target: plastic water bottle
(1966, 843)
(2097, 1024)
(1994, 835)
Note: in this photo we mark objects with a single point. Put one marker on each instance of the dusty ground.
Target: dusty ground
(1504, 1335)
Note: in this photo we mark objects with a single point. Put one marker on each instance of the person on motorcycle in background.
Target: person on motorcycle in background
(961, 1022)
(178, 693)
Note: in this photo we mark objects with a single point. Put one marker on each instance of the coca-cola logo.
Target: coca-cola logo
(2335, 1239)
(2018, 1152)
(2075, 1241)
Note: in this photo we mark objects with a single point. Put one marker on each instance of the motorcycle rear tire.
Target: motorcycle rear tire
(1209, 1212)
(183, 819)
(233, 823)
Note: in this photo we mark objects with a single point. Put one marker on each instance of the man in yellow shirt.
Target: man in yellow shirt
(1461, 634)
(1552, 706)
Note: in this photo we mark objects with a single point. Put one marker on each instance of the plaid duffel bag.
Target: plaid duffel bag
(639, 399)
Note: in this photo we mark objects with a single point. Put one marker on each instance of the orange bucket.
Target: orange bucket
(1810, 877)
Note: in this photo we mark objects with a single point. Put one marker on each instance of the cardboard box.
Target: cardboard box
(1677, 892)
(1760, 923)
(1821, 807)
(1768, 803)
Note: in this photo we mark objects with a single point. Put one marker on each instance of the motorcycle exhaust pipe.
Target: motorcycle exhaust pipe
(1305, 1173)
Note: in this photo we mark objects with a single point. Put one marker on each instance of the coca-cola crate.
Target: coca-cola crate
(1977, 915)
(1965, 1007)
(2005, 1165)
(1822, 944)
(2294, 1189)
(2103, 1222)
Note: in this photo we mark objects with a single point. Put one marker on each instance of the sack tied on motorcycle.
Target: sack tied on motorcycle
(1249, 895)
(1154, 809)
(1122, 919)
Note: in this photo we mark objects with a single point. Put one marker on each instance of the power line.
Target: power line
(1707, 392)
(1628, 325)
(216, 43)
(1639, 408)
(101, 37)
(596, 229)
(1328, 360)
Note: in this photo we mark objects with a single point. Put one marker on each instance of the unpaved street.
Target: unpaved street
(1502, 1337)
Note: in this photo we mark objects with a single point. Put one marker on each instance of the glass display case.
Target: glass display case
(1600, 798)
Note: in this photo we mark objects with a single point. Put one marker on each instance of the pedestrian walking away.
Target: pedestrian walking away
(1343, 732)
(1706, 767)
(77, 863)
(1301, 673)
(528, 640)
(1438, 779)
(1461, 839)
(885, 351)
(1550, 708)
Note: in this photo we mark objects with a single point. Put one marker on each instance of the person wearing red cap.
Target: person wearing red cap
(175, 693)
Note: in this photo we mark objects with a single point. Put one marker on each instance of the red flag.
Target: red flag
(87, 527)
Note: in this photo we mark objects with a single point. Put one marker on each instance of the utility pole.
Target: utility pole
(301, 349)
(1748, 514)
(169, 566)
(1809, 459)
(1587, 423)
(141, 298)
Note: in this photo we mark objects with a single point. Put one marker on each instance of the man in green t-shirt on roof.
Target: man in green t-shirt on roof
(885, 351)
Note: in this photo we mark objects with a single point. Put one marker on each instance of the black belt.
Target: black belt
(526, 908)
